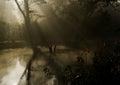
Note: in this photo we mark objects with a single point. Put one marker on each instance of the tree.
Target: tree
(87, 19)
(2, 31)
(89, 9)
(27, 20)
(28, 25)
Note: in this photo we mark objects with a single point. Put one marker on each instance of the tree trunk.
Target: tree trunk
(50, 49)
(55, 48)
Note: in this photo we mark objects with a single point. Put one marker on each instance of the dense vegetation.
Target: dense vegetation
(104, 71)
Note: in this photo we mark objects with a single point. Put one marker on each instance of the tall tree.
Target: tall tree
(27, 20)
(88, 8)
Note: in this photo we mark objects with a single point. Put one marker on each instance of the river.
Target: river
(12, 66)
(13, 63)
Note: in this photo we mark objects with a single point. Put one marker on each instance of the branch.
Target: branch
(23, 74)
(40, 16)
(20, 8)
(26, 69)
(114, 7)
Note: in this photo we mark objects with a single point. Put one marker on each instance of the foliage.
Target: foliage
(107, 65)
(104, 71)
(78, 73)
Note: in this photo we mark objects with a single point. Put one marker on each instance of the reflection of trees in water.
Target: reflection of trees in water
(51, 74)
(105, 68)
(55, 68)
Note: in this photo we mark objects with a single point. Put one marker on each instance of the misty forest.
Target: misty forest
(59, 42)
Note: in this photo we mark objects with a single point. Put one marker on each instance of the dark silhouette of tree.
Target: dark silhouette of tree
(28, 26)
(3, 30)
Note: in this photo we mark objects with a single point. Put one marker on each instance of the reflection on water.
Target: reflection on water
(13, 75)
(13, 62)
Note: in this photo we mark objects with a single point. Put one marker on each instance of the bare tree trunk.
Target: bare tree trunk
(50, 49)
(55, 48)
(28, 26)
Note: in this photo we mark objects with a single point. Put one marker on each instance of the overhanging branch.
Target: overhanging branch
(114, 7)
(20, 8)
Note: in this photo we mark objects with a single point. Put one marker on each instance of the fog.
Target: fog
(59, 42)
